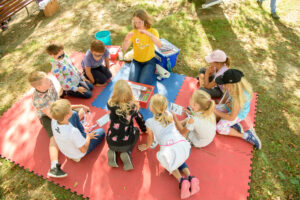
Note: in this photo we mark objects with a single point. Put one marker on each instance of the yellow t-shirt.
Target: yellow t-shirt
(143, 46)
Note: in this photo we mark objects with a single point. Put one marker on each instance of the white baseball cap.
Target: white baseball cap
(216, 56)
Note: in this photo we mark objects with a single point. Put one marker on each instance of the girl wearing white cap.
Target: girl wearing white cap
(219, 63)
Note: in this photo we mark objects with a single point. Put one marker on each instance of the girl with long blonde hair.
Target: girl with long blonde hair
(122, 135)
(235, 106)
(200, 127)
(174, 148)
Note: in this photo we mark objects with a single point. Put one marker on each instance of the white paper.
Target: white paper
(177, 109)
(103, 120)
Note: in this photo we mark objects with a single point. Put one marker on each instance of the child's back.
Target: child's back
(202, 131)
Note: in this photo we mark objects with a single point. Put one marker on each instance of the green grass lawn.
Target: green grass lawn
(267, 51)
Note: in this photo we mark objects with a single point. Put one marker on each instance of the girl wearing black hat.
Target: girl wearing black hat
(236, 106)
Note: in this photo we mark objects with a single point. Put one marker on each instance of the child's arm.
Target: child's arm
(107, 62)
(89, 74)
(140, 121)
(127, 42)
(89, 136)
(208, 84)
(182, 129)
(46, 111)
(155, 39)
(150, 139)
(229, 116)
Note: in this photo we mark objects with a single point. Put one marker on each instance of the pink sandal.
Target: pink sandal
(184, 186)
(194, 185)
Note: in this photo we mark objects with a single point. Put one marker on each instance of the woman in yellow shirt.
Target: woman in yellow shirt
(143, 38)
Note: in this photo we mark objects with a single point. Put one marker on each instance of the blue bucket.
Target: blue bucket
(103, 36)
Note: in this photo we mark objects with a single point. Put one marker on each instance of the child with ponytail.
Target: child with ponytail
(235, 106)
(174, 148)
(122, 135)
(200, 127)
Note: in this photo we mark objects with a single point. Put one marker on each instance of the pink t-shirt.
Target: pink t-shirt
(219, 73)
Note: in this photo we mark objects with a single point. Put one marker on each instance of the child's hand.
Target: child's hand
(85, 108)
(87, 80)
(92, 135)
(82, 90)
(128, 36)
(142, 147)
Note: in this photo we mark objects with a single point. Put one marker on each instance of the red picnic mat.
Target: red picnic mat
(223, 167)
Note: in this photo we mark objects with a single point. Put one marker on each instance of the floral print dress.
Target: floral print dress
(122, 135)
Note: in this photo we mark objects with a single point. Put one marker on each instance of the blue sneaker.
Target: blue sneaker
(251, 137)
(238, 127)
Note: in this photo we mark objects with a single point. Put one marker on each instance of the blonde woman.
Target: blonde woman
(200, 127)
(122, 135)
(143, 37)
(174, 148)
(235, 107)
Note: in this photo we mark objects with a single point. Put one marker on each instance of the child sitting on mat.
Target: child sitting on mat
(200, 127)
(69, 133)
(174, 148)
(122, 135)
(71, 79)
(235, 106)
(219, 63)
(93, 66)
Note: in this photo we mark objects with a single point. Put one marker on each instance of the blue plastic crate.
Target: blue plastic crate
(166, 54)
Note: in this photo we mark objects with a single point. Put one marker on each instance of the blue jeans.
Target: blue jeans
(85, 95)
(272, 5)
(74, 120)
(142, 72)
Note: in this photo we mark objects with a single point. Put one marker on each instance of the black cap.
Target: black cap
(230, 76)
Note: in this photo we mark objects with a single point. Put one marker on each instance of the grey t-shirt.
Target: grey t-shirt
(89, 60)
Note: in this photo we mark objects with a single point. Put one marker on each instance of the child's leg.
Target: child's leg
(98, 75)
(194, 182)
(75, 121)
(224, 128)
(112, 158)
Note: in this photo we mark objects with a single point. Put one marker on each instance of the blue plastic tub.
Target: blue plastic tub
(103, 36)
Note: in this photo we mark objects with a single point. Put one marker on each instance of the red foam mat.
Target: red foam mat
(223, 167)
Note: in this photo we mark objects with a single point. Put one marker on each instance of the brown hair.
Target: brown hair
(60, 109)
(144, 16)
(227, 62)
(97, 46)
(36, 77)
(54, 49)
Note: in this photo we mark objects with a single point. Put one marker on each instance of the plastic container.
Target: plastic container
(113, 52)
(145, 94)
(103, 36)
(166, 56)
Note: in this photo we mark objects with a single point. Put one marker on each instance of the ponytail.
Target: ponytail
(164, 118)
(208, 111)
(227, 62)
(159, 106)
(206, 104)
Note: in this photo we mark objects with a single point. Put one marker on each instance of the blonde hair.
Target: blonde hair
(60, 109)
(236, 91)
(122, 97)
(206, 104)
(144, 16)
(159, 106)
(36, 77)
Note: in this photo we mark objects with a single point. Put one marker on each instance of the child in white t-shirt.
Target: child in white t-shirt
(69, 133)
(174, 148)
(200, 127)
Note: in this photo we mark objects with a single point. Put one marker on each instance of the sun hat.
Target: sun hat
(216, 56)
(230, 76)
